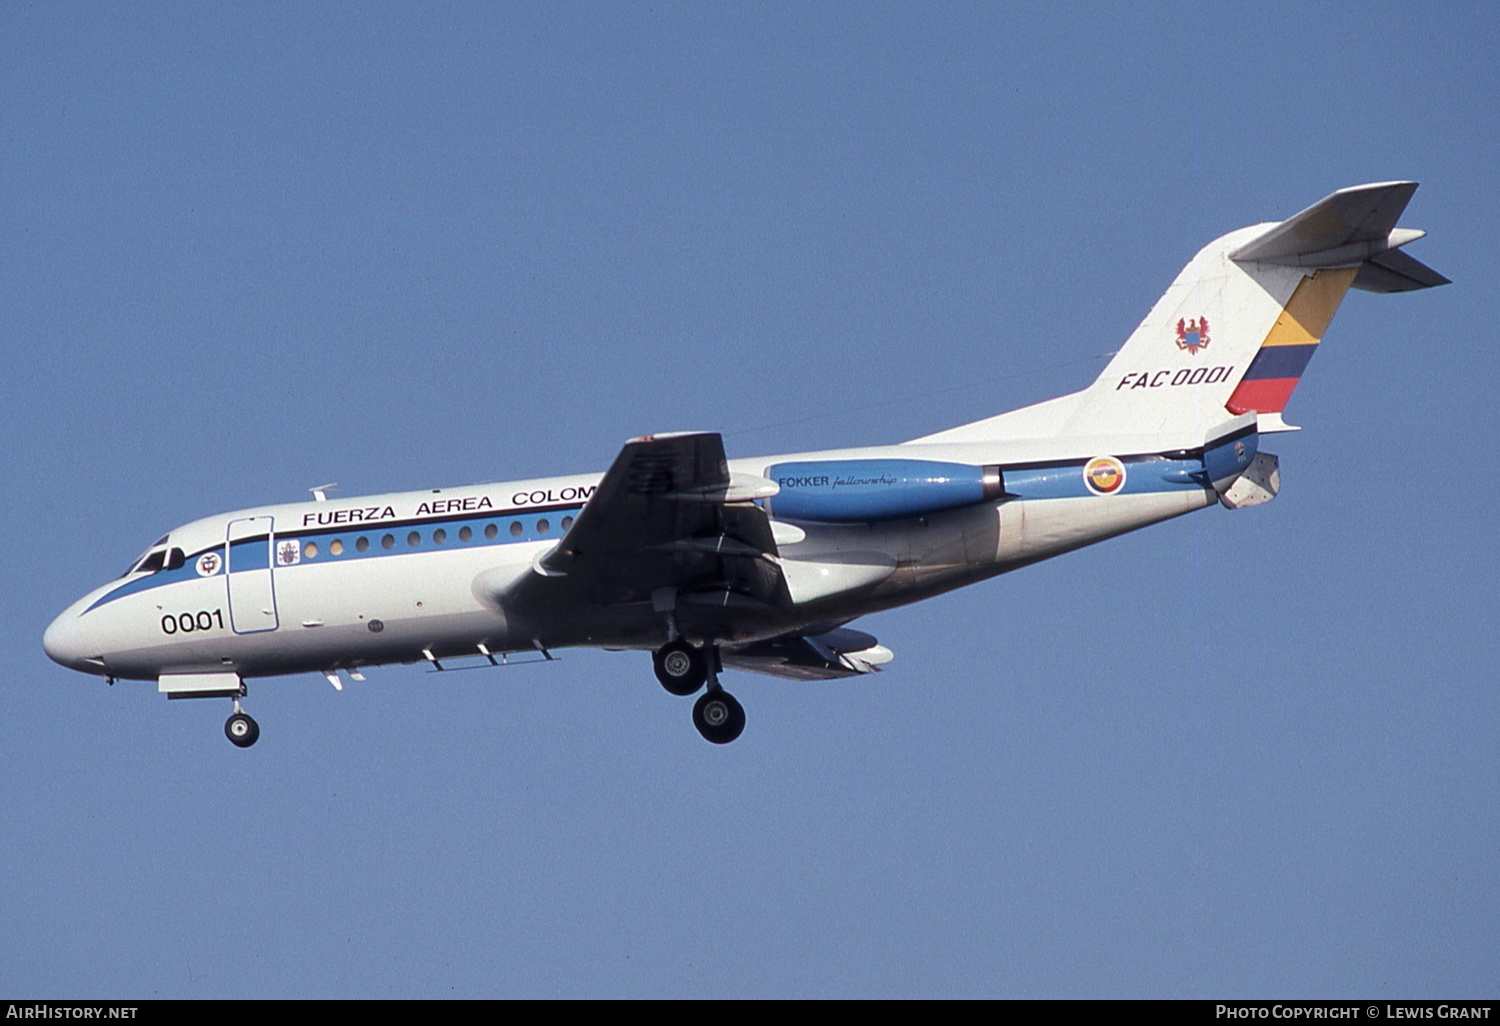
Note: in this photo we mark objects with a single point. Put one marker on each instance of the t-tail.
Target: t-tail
(1234, 333)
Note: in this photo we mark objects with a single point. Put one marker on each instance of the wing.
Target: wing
(834, 654)
(668, 528)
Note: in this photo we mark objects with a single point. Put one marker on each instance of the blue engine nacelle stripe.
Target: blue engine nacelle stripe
(845, 491)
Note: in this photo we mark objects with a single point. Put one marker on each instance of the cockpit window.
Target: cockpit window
(153, 562)
(157, 558)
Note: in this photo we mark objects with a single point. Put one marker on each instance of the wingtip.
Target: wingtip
(661, 436)
(1376, 185)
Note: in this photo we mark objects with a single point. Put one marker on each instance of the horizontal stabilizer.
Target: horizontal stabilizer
(1354, 227)
(1394, 271)
(1361, 214)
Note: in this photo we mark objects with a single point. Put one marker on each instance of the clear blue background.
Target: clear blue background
(248, 249)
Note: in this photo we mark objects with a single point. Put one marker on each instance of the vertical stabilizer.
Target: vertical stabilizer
(1237, 328)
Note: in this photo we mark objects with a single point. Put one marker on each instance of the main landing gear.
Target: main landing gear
(682, 670)
(241, 730)
(718, 716)
(680, 667)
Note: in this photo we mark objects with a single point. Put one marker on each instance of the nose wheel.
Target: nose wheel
(241, 730)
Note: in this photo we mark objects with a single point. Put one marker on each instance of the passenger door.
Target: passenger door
(249, 558)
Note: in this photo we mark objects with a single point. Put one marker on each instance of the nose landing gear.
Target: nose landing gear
(241, 730)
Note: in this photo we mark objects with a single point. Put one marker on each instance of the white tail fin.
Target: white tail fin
(1238, 326)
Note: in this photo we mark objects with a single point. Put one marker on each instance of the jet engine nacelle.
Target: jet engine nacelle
(846, 491)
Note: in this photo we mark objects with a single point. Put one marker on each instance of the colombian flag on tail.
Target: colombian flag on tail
(1283, 356)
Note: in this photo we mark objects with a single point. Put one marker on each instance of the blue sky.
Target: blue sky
(245, 250)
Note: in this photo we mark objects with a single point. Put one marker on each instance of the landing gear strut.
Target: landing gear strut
(241, 730)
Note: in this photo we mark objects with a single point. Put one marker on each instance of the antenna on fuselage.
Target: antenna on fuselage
(320, 493)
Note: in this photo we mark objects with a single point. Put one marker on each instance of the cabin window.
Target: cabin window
(465, 533)
(567, 522)
(515, 529)
(414, 539)
(542, 527)
(388, 542)
(490, 530)
(439, 536)
(310, 550)
(362, 544)
(336, 547)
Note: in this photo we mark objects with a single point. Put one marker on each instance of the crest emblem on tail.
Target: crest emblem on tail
(1192, 335)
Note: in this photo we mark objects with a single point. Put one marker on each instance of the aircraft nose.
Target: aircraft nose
(63, 640)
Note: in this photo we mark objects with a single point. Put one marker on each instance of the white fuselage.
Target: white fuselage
(417, 575)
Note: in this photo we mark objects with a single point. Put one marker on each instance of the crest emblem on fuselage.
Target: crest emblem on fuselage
(208, 564)
(1192, 335)
(288, 553)
(1104, 475)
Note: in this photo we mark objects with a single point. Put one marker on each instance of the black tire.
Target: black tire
(680, 667)
(718, 716)
(241, 730)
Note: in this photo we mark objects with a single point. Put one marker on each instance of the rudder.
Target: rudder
(1268, 382)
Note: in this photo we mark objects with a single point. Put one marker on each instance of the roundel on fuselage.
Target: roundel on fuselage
(1104, 475)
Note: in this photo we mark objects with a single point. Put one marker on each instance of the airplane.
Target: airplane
(759, 563)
